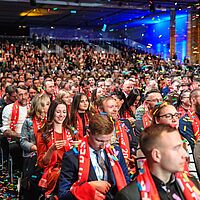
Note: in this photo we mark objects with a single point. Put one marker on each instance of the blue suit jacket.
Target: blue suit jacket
(187, 132)
(69, 174)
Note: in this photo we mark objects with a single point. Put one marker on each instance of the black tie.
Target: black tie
(101, 163)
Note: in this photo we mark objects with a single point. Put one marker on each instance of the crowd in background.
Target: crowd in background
(47, 102)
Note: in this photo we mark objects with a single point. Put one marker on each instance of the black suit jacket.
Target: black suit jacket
(69, 174)
(131, 192)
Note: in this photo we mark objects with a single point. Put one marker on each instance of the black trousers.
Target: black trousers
(31, 175)
(16, 154)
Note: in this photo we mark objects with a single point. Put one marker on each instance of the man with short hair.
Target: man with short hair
(13, 117)
(108, 86)
(101, 83)
(189, 124)
(127, 87)
(195, 83)
(95, 170)
(143, 113)
(123, 132)
(162, 176)
(9, 97)
(49, 88)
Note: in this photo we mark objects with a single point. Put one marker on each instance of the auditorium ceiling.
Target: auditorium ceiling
(105, 14)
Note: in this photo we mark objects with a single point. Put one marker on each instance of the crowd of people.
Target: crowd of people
(94, 125)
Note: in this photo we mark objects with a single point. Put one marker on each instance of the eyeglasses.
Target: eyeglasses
(171, 116)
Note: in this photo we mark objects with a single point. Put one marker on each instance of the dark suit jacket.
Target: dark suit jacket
(133, 139)
(69, 174)
(131, 191)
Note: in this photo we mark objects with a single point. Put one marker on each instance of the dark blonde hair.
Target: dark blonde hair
(37, 104)
(100, 125)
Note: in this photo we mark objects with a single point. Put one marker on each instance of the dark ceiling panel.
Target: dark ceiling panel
(88, 13)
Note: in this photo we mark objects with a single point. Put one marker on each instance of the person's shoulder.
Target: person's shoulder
(2, 102)
(9, 106)
(185, 119)
(28, 122)
(72, 153)
(130, 192)
(125, 122)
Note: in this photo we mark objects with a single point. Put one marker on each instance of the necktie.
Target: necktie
(101, 163)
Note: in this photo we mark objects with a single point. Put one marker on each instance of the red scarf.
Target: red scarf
(149, 191)
(14, 115)
(80, 127)
(81, 189)
(195, 123)
(123, 138)
(146, 118)
(37, 125)
(66, 135)
(53, 97)
(28, 105)
(182, 111)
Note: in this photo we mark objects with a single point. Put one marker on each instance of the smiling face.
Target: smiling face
(111, 108)
(60, 113)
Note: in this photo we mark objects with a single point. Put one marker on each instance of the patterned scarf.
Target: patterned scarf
(123, 138)
(149, 191)
(37, 125)
(14, 115)
(66, 135)
(81, 189)
(80, 127)
(195, 123)
(146, 118)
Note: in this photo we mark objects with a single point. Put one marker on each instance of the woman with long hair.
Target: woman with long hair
(35, 120)
(66, 97)
(53, 139)
(79, 117)
(133, 100)
(124, 110)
